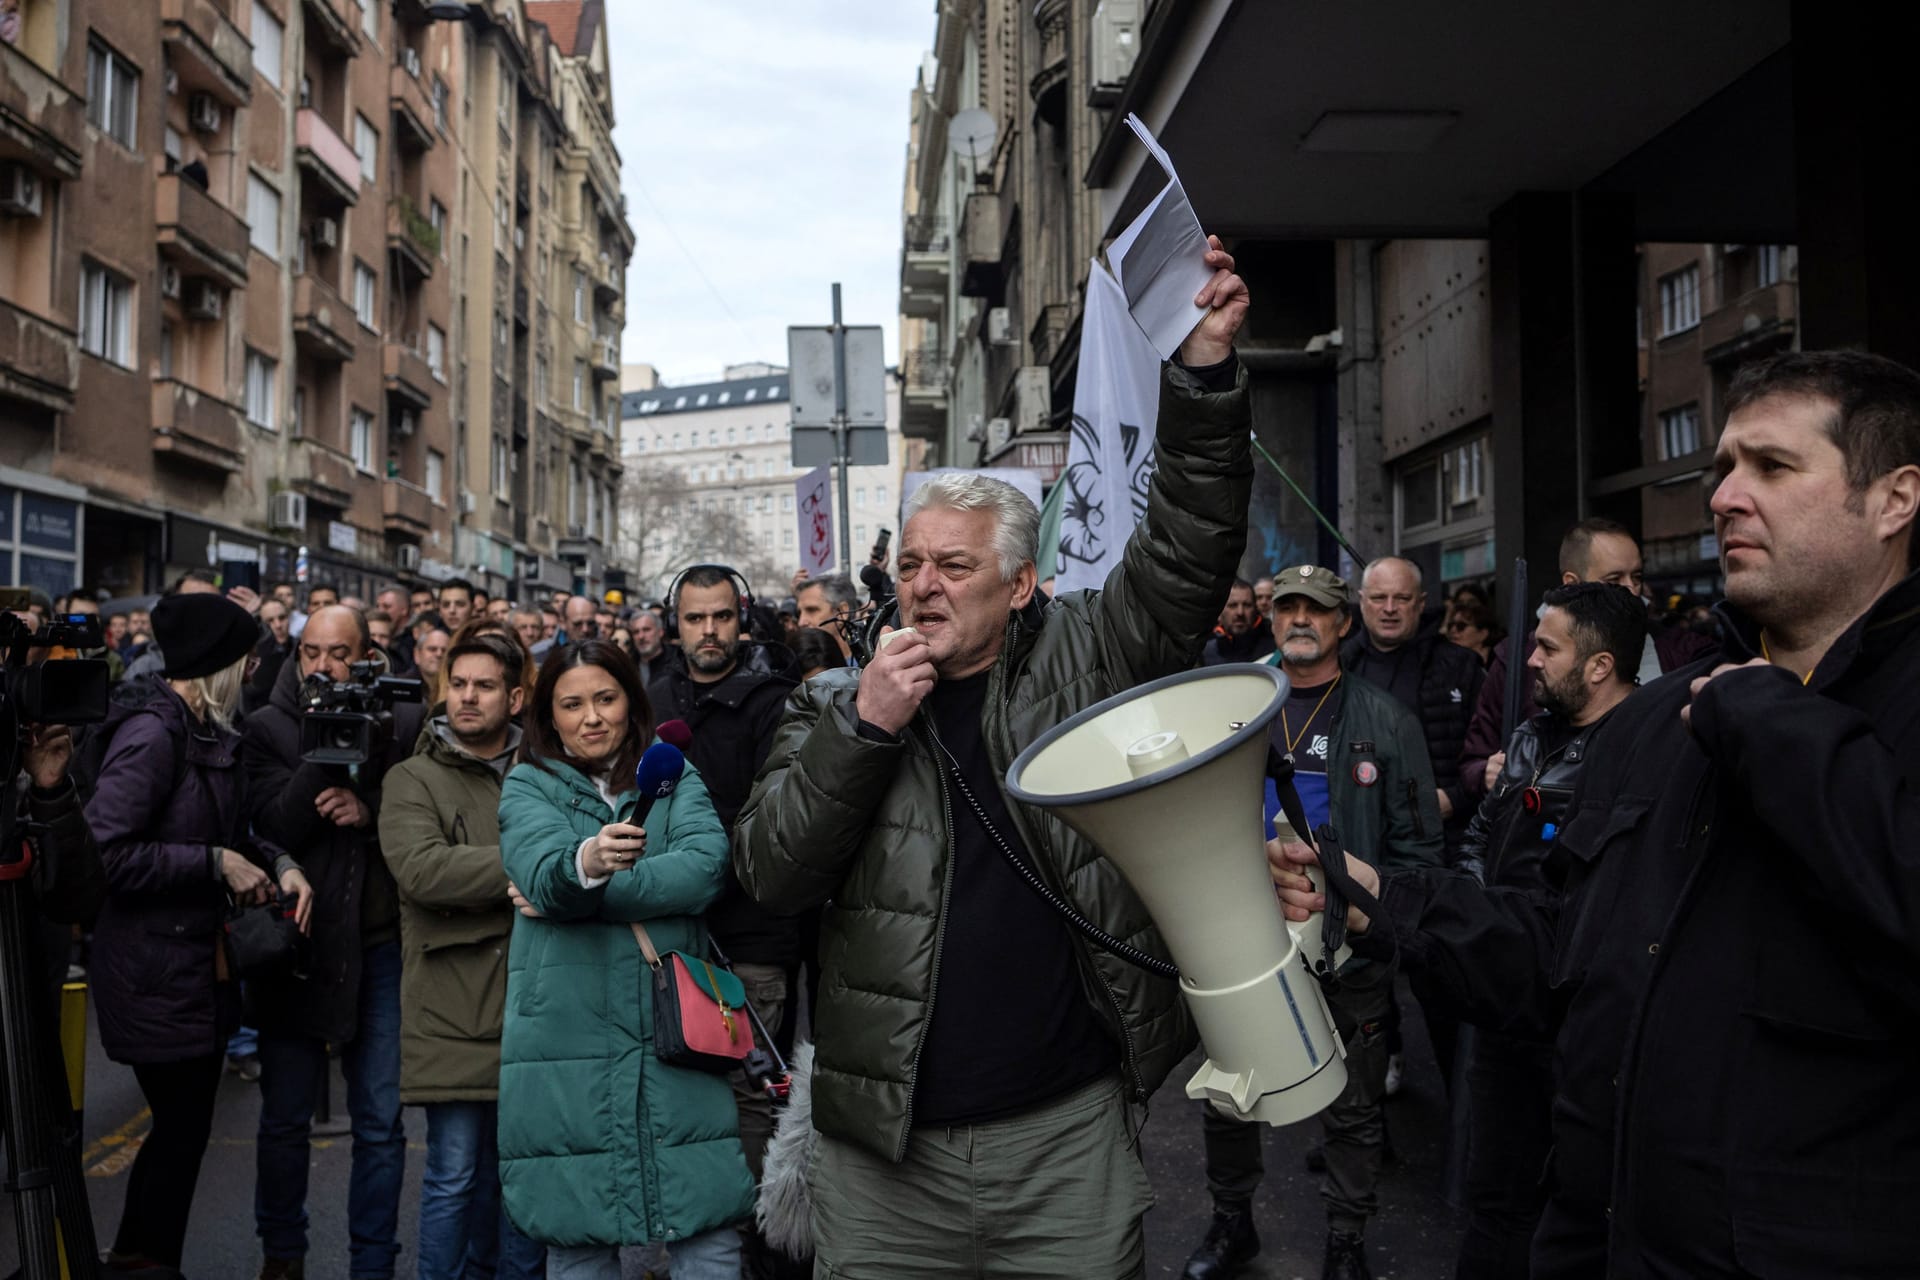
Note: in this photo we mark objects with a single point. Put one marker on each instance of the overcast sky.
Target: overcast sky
(767, 137)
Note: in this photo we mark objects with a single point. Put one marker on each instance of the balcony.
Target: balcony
(196, 426)
(412, 112)
(1764, 317)
(406, 508)
(982, 274)
(39, 360)
(409, 379)
(923, 393)
(322, 323)
(329, 24)
(199, 233)
(207, 51)
(604, 358)
(413, 240)
(926, 264)
(609, 282)
(325, 156)
(331, 479)
(41, 122)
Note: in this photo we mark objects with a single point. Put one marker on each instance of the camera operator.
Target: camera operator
(171, 823)
(324, 816)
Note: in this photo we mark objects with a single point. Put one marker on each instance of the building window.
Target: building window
(364, 294)
(1680, 432)
(713, 437)
(506, 98)
(786, 502)
(436, 474)
(860, 496)
(1766, 265)
(259, 393)
(1467, 481)
(880, 495)
(360, 439)
(366, 145)
(437, 351)
(440, 104)
(437, 218)
(106, 314)
(113, 94)
(542, 383)
(579, 386)
(1679, 301)
(269, 38)
(786, 537)
(500, 485)
(769, 431)
(766, 504)
(263, 216)
(579, 296)
(369, 19)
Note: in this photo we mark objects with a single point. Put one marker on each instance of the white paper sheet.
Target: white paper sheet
(1160, 259)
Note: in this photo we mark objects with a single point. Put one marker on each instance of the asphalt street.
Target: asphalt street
(1412, 1239)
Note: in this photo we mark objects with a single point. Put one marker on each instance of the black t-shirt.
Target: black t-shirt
(1011, 1024)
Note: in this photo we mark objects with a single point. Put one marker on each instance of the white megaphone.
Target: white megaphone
(1167, 780)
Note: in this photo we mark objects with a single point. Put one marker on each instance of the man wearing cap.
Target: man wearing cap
(1360, 762)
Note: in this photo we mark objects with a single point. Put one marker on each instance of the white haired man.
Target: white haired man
(993, 1121)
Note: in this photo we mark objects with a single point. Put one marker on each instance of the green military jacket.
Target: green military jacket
(868, 825)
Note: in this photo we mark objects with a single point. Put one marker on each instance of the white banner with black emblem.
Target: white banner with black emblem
(1110, 458)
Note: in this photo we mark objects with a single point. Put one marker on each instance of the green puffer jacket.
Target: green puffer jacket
(440, 833)
(600, 1143)
(869, 824)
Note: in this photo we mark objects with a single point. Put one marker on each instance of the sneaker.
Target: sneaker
(1396, 1072)
(283, 1269)
(247, 1067)
(1230, 1241)
(1346, 1258)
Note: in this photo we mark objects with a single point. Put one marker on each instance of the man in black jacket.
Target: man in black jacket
(324, 816)
(1242, 634)
(733, 707)
(1583, 664)
(1732, 974)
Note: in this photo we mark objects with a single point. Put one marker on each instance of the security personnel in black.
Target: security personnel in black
(1588, 651)
(732, 703)
(1360, 762)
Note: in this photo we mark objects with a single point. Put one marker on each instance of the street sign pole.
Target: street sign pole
(842, 429)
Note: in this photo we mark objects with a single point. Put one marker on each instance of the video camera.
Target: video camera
(344, 721)
(59, 690)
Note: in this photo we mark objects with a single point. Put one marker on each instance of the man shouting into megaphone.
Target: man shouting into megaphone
(977, 1058)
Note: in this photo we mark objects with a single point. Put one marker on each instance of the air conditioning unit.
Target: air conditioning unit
(999, 432)
(203, 113)
(203, 300)
(169, 280)
(406, 424)
(1113, 39)
(410, 59)
(326, 233)
(19, 191)
(469, 502)
(1000, 327)
(288, 511)
(408, 556)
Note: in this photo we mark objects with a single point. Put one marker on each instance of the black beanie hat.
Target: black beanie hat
(202, 634)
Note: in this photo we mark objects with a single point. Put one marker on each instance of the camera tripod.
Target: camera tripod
(54, 1222)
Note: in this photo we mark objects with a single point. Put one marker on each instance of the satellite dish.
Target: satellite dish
(971, 133)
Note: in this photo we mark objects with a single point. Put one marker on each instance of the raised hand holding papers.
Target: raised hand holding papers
(1160, 259)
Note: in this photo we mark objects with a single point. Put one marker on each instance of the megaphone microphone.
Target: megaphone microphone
(1162, 779)
(657, 775)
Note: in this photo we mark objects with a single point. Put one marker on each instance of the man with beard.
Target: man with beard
(649, 646)
(1586, 653)
(1360, 762)
(1242, 634)
(1729, 976)
(732, 707)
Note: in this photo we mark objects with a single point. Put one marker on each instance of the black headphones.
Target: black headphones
(742, 590)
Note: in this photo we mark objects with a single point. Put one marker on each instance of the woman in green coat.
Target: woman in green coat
(601, 1144)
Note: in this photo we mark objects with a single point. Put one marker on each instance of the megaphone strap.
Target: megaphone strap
(1031, 878)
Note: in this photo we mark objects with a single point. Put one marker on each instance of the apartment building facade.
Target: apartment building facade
(237, 290)
(712, 478)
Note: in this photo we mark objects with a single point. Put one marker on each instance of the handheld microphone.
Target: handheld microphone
(676, 732)
(658, 774)
(879, 585)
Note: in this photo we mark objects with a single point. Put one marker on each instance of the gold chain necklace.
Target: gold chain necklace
(1805, 679)
(1286, 730)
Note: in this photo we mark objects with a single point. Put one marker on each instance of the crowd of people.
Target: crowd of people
(1658, 917)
